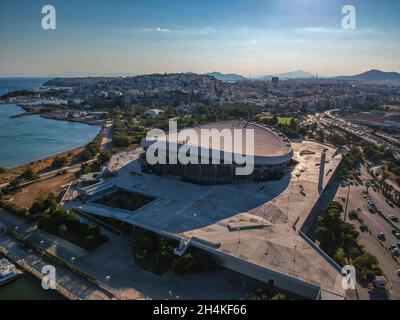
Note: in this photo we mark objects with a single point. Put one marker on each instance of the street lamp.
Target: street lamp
(269, 238)
(294, 260)
(108, 279)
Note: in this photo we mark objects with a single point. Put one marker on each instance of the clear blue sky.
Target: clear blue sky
(98, 37)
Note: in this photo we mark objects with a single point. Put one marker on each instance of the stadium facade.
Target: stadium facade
(271, 152)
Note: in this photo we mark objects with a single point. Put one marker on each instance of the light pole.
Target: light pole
(294, 260)
(269, 238)
(72, 261)
(347, 203)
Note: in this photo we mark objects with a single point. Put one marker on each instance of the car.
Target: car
(392, 247)
(381, 236)
(397, 235)
(395, 252)
(372, 209)
(390, 204)
(398, 272)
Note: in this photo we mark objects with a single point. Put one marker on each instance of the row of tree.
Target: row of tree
(339, 240)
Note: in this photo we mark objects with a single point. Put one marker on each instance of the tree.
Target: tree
(121, 141)
(279, 296)
(59, 162)
(3, 170)
(85, 169)
(367, 267)
(104, 156)
(85, 155)
(30, 174)
(62, 229)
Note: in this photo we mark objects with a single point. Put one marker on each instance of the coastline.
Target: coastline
(30, 111)
(18, 167)
(40, 164)
(88, 122)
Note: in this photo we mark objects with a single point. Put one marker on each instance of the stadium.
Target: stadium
(271, 153)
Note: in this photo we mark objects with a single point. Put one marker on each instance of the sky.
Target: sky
(248, 37)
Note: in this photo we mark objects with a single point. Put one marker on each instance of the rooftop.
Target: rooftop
(268, 143)
(253, 222)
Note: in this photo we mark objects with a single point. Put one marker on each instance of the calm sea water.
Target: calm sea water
(31, 138)
(11, 84)
(26, 287)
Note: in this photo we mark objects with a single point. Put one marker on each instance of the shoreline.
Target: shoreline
(47, 158)
(13, 172)
(51, 117)
(30, 111)
(50, 156)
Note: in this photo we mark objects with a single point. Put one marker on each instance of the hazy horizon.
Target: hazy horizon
(246, 37)
(72, 75)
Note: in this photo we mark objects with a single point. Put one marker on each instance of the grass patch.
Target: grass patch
(285, 121)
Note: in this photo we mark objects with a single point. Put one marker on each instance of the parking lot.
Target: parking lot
(376, 225)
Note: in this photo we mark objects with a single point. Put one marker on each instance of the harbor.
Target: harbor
(21, 285)
(8, 271)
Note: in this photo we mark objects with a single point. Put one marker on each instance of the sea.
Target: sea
(29, 138)
(23, 140)
(26, 287)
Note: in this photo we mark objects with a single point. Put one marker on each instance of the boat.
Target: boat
(8, 271)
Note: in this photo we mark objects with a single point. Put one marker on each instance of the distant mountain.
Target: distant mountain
(298, 74)
(226, 77)
(372, 75)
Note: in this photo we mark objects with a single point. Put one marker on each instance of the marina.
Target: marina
(8, 271)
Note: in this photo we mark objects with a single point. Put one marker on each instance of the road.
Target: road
(376, 224)
(329, 120)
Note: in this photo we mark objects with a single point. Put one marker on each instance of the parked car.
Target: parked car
(380, 282)
(395, 251)
(390, 204)
(381, 236)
